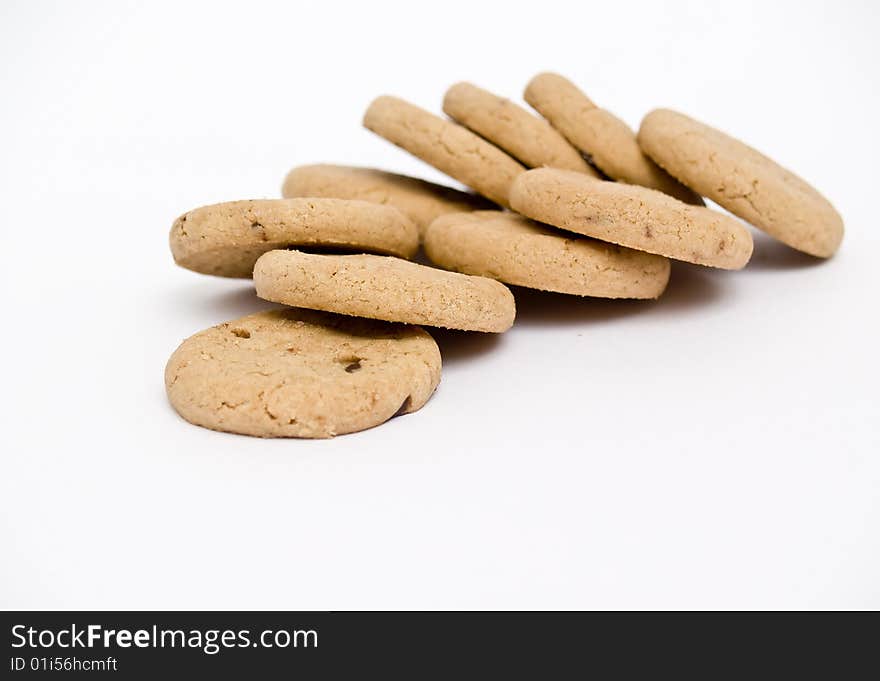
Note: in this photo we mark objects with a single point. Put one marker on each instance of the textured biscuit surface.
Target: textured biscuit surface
(632, 216)
(226, 239)
(384, 288)
(610, 143)
(447, 146)
(529, 139)
(299, 373)
(743, 180)
(516, 250)
(420, 200)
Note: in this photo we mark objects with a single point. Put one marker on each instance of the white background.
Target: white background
(715, 449)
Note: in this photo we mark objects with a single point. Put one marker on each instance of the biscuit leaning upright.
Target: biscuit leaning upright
(632, 216)
(607, 140)
(528, 138)
(744, 181)
(447, 146)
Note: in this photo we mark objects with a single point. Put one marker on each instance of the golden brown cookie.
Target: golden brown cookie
(527, 138)
(298, 373)
(384, 288)
(516, 250)
(420, 200)
(632, 216)
(743, 180)
(227, 238)
(607, 140)
(447, 146)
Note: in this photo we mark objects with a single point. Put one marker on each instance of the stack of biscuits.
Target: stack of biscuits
(571, 201)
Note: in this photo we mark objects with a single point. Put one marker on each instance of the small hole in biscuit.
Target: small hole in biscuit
(350, 363)
(241, 333)
(256, 224)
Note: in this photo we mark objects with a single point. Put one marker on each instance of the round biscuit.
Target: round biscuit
(449, 147)
(225, 239)
(513, 249)
(632, 216)
(299, 373)
(743, 181)
(384, 288)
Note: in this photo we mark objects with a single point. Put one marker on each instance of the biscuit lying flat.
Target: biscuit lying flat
(607, 140)
(420, 200)
(632, 216)
(227, 238)
(385, 288)
(529, 139)
(447, 146)
(743, 180)
(516, 250)
(297, 373)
